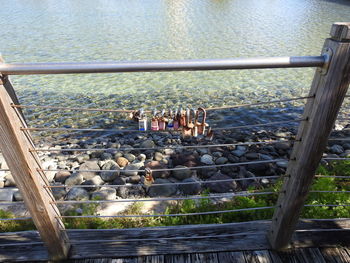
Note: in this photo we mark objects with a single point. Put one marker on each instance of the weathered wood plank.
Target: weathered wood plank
(312, 255)
(258, 256)
(24, 167)
(24, 253)
(231, 257)
(320, 114)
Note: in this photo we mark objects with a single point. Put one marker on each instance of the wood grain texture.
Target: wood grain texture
(320, 114)
(24, 166)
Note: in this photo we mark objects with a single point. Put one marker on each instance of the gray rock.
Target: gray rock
(217, 154)
(238, 153)
(110, 176)
(337, 149)
(208, 172)
(265, 157)
(207, 159)
(221, 187)
(346, 146)
(241, 148)
(82, 158)
(9, 180)
(74, 179)
(190, 189)
(130, 157)
(221, 160)
(58, 192)
(61, 176)
(130, 191)
(147, 144)
(17, 196)
(105, 193)
(106, 156)
(169, 151)
(89, 165)
(183, 173)
(282, 164)
(131, 169)
(282, 146)
(96, 180)
(134, 179)
(252, 156)
(78, 194)
(7, 194)
(158, 156)
(162, 190)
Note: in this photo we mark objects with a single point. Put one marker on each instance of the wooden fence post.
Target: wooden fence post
(25, 168)
(328, 89)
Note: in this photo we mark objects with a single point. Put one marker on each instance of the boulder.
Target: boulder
(181, 174)
(89, 165)
(147, 144)
(96, 180)
(78, 194)
(168, 189)
(109, 176)
(105, 193)
(221, 187)
(190, 189)
(74, 179)
(221, 160)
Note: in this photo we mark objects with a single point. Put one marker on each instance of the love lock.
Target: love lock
(187, 128)
(201, 125)
(149, 180)
(154, 121)
(142, 121)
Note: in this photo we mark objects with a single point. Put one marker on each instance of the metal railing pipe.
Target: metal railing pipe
(161, 65)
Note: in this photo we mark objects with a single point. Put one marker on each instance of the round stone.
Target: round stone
(109, 176)
(168, 189)
(207, 159)
(122, 162)
(182, 173)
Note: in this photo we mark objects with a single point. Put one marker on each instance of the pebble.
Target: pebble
(96, 180)
(82, 158)
(282, 146)
(207, 159)
(158, 156)
(282, 164)
(134, 179)
(141, 157)
(130, 157)
(106, 156)
(147, 144)
(130, 169)
(183, 173)
(221, 160)
(238, 153)
(61, 176)
(122, 162)
(252, 156)
(337, 149)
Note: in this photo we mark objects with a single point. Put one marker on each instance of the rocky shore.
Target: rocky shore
(164, 150)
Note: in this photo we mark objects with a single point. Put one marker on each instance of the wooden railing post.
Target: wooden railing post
(25, 168)
(328, 89)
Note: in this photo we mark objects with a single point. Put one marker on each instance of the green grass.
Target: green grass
(205, 204)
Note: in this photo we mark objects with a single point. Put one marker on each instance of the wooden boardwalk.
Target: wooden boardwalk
(245, 242)
(306, 255)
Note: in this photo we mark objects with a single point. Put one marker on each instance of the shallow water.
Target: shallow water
(112, 30)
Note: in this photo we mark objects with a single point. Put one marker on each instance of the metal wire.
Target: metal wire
(172, 169)
(330, 205)
(14, 219)
(329, 191)
(128, 111)
(175, 183)
(333, 176)
(150, 131)
(157, 148)
(11, 203)
(165, 199)
(336, 158)
(170, 215)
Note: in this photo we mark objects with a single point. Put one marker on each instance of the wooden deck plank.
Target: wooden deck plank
(231, 257)
(259, 256)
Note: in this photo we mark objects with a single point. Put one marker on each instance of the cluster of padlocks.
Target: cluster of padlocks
(187, 121)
